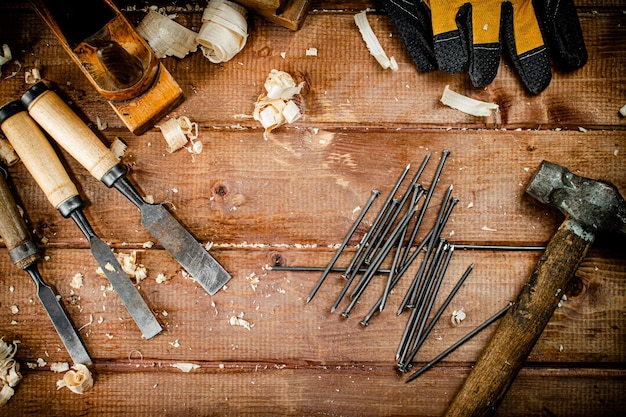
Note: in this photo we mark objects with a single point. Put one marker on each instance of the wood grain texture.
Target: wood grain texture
(291, 199)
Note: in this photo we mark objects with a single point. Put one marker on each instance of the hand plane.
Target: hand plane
(114, 57)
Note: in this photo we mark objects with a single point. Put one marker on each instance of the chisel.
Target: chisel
(40, 159)
(69, 131)
(24, 253)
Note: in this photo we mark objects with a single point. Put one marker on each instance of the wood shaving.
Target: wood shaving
(59, 366)
(238, 320)
(100, 124)
(77, 281)
(78, 380)
(467, 104)
(161, 278)
(177, 131)
(6, 55)
(185, 366)
(276, 107)
(118, 148)
(457, 317)
(167, 37)
(32, 76)
(372, 43)
(224, 30)
(129, 264)
(9, 370)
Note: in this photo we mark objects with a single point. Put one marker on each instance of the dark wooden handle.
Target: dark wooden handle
(519, 329)
(39, 157)
(12, 226)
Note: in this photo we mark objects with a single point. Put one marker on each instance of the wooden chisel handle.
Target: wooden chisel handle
(13, 230)
(520, 328)
(68, 130)
(36, 153)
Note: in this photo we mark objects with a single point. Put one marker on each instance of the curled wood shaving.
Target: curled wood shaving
(238, 320)
(118, 148)
(129, 264)
(167, 37)
(457, 317)
(467, 104)
(177, 131)
(372, 43)
(9, 370)
(276, 107)
(77, 380)
(32, 76)
(224, 30)
(6, 55)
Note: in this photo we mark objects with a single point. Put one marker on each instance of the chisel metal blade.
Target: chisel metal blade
(137, 307)
(184, 247)
(62, 324)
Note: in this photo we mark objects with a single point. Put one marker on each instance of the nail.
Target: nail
(379, 259)
(501, 247)
(433, 322)
(429, 305)
(425, 287)
(397, 278)
(429, 195)
(382, 230)
(377, 219)
(375, 193)
(409, 298)
(464, 339)
(316, 269)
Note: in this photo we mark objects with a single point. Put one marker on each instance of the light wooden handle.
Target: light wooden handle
(37, 154)
(519, 329)
(69, 131)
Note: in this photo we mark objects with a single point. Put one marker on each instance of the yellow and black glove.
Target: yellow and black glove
(469, 34)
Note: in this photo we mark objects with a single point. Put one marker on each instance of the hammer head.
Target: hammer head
(595, 205)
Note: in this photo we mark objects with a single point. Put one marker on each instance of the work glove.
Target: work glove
(469, 34)
(412, 21)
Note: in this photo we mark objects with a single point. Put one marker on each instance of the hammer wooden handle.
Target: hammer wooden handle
(519, 329)
(69, 131)
(40, 159)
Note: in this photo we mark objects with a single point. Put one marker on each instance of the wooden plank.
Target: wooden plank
(587, 328)
(346, 87)
(243, 188)
(291, 199)
(146, 389)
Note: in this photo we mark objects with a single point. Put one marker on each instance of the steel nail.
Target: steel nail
(375, 193)
(464, 339)
(379, 259)
(430, 302)
(365, 242)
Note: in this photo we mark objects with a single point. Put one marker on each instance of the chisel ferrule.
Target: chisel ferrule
(70, 205)
(114, 174)
(24, 254)
(33, 93)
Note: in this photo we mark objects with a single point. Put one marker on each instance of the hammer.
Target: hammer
(589, 206)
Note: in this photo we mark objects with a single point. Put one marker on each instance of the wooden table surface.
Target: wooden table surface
(291, 199)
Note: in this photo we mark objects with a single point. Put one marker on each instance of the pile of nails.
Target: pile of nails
(391, 238)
